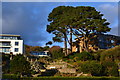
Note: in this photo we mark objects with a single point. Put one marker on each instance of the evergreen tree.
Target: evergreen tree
(81, 21)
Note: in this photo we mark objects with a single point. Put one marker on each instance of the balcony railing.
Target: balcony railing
(5, 45)
(5, 50)
(10, 38)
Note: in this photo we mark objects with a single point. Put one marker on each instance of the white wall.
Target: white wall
(13, 46)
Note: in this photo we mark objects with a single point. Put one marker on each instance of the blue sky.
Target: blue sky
(29, 19)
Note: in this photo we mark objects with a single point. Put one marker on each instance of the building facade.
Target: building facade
(11, 44)
(40, 54)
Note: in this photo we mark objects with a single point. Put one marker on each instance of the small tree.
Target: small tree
(56, 52)
(19, 65)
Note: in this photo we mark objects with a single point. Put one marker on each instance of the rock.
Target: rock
(79, 74)
(67, 70)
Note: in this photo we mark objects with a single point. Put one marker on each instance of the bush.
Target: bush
(96, 55)
(107, 57)
(19, 65)
(57, 53)
(5, 63)
(93, 67)
(111, 68)
(84, 56)
(10, 76)
(111, 54)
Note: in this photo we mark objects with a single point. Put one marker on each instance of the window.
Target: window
(1, 50)
(4, 49)
(16, 43)
(16, 49)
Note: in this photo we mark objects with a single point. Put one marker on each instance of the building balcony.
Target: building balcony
(5, 45)
(10, 37)
(5, 49)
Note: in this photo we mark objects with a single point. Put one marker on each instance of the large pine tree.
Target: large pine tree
(81, 21)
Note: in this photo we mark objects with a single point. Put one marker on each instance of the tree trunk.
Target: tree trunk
(65, 44)
(70, 40)
(85, 44)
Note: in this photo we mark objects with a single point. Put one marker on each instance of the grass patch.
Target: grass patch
(73, 78)
(15, 77)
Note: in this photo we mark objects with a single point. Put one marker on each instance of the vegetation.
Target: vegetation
(110, 68)
(92, 67)
(61, 78)
(19, 65)
(5, 63)
(28, 49)
(10, 76)
(112, 54)
(85, 22)
(84, 56)
(49, 43)
(100, 63)
(56, 52)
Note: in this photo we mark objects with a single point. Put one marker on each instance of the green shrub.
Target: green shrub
(112, 54)
(69, 78)
(57, 53)
(84, 56)
(10, 76)
(111, 68)
(19, 65)
(92, 67)
(71, 56)
(5, 63)
(114, 71)
(97, 54)
(107, 56)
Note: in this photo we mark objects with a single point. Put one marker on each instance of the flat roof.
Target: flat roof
(10, 35)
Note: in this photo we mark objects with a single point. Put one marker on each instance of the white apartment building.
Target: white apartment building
(11, 44)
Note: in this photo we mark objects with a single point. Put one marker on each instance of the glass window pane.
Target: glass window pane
(16, 49)
(16, 43)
